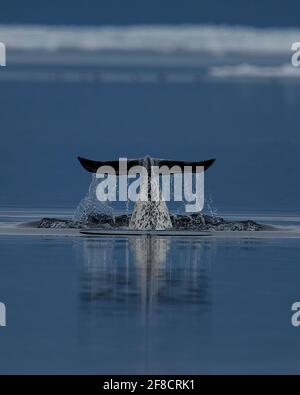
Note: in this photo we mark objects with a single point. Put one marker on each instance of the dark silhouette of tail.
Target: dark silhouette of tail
(92, 166)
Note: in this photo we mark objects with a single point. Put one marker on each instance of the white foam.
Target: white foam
(252, 71)
(213, 39)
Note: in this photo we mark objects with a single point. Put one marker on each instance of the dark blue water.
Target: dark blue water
(77, 305)
(158, 305)
(249, 127)
(239, 12)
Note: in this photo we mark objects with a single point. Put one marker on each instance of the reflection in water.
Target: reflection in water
(144, 301)
(170, 305)
(146, 273)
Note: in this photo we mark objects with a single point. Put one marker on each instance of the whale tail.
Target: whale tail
(149, 213)
(92, 166)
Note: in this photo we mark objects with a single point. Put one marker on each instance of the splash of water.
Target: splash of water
(153, 213)
(90, 205)
(211, 207)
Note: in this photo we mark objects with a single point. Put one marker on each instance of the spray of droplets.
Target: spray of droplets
(90, 205)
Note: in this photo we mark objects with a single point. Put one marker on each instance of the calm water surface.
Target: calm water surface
(148, 305)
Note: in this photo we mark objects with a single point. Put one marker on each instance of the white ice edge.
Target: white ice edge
(214, 39)
(241, 71)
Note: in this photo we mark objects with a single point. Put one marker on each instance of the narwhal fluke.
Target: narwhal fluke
(92, 165)
(153, 213)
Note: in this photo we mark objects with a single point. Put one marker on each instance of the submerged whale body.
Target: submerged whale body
(153, 213)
